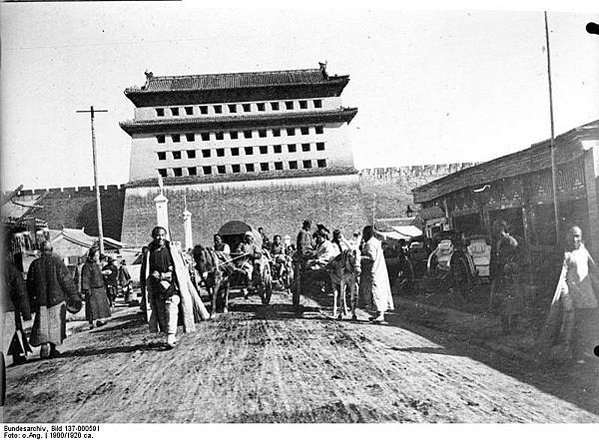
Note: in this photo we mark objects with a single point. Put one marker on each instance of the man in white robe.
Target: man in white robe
(374, 280)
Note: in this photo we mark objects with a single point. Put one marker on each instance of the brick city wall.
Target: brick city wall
(388, 191)
(278, 208)
(76, 208)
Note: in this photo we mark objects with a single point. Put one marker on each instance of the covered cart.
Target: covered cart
(233, 233)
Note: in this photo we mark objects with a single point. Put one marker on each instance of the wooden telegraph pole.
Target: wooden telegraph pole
(91, 111)
(553, 162)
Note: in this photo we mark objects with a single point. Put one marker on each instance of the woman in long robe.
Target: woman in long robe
(97, 306)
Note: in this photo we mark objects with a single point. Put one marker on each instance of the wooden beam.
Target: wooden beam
(9, 196)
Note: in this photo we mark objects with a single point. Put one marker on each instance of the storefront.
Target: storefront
(518, 189)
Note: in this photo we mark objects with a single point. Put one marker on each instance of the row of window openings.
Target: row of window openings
(220, 152)
(247, 134)
(233, 108)
(249, 168)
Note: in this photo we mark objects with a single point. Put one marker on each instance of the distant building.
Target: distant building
(267, 148)
(517, 188)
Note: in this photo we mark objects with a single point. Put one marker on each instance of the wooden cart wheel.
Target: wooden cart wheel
(266, 285)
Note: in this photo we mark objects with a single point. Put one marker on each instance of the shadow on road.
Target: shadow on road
(277, 311)
(121, 323)
(574, 383)
(429, 350)
(90, 351)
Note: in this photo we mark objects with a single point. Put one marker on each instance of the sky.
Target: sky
(431, 86)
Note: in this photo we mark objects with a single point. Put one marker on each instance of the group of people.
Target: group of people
(248, 256)
(50, 291)
(315, 251)
(48, 294)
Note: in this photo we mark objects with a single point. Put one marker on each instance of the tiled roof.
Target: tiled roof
(80, 238)
(234, 80)
(406, 227)
(386, 224)
(16, 210)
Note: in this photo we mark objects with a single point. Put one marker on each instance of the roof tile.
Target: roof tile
(234, 80)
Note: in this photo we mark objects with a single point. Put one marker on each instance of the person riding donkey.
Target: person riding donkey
(250, 263)
(326, 251)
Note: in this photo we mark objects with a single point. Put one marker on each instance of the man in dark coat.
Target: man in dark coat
(51, 293)
(165, 281)
(305, 251)
(15, 305)
(125, 281)
(111, 279)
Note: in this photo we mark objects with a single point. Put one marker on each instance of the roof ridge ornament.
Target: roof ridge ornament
(323, 69)
(149, 75)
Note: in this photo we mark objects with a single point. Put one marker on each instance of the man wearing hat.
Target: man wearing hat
(249, 264)
(111, 279)
(51, 293)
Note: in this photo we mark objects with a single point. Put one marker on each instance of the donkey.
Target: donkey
(214, 268)
(344, 271)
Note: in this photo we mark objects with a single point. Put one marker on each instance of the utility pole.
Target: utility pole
(373, 208)
(91, 111)
(553, 163)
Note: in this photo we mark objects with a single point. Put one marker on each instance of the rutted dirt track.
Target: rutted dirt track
(261, 364)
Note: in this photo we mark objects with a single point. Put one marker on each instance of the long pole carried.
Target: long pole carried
(91, 111)
(553, 164)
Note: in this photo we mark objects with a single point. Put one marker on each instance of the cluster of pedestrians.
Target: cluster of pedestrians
(50, 291)
(48, 294)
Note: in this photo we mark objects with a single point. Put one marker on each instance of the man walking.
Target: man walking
(51, 293)
(165, 280)
(579, 300)
(374, 280)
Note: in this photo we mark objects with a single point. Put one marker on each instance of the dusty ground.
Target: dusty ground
(261, 364)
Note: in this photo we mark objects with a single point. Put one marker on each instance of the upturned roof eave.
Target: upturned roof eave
(158, 125)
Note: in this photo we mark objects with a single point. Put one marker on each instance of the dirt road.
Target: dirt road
(261, 364)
